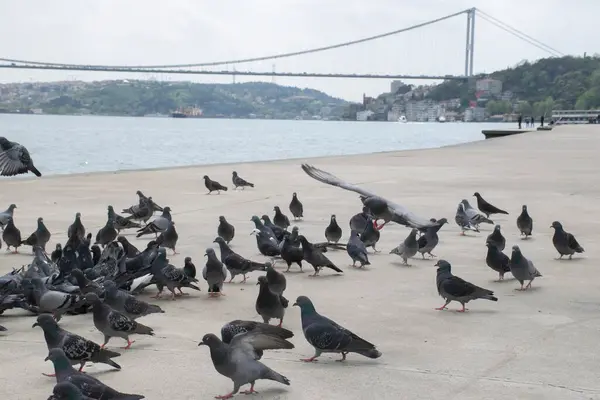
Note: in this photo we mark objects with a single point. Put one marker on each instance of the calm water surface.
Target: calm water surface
(77, 144)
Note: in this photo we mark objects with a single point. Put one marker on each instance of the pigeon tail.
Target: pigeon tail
(371, 353)
(490, 297)
(111, 363)
(333, 267)
(154, 309)
(144, 330)
(35, 171)
(276, 376)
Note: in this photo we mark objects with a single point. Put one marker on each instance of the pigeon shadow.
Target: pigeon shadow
(531, 289)
(503, 280)
(321, 277)
(455, 311)
(401, 264)
(566, 260)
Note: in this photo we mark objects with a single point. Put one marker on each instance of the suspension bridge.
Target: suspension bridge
(189, 69)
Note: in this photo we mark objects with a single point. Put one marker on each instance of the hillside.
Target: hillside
(137, 98)
(559, 83)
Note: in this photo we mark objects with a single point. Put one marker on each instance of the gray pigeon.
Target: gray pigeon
(130, 250)
(564, 242)
(276, 280)
(453, 288)
(408, 248)
(230, 329)
(214, 273)
(15, 159)
(106, 234)
(280, 219)
(40, 237)
(430, 239)
(475, 217)
(463, 221)
(213, 185)
(125, 303)
(525, 223)
(357, 250)
(315, 257)
(76, 229)
(168, 238)
(114, 324)
(11, 236)
(142, 211)
(235, 263)
(238, 359)
(359, 221)
(522, 268)
(5, 215)
(78, 349)
(239, 182)
(496, 238)
(121, 222)
(87, 384)
(497, 260)
(326, 336)
(165, 274)
(333, 232)
(225, 230)
(67, 391)
(158, 225)
(296, 207)
(268, 304)
(487, 208)
(53, 301)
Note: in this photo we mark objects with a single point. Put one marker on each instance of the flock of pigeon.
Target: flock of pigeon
(105, 276)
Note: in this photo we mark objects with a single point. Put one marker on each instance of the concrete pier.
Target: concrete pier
(539, 344)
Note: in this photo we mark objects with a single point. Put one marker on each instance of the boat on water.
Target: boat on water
(568, 117)
(442, 119)
(187, 112)
(402, 119)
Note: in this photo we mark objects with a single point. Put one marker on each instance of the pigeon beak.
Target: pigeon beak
(35, 324)
(205, 254)
(46, 359)
(258, 283)
(295, 304)
(201, 344)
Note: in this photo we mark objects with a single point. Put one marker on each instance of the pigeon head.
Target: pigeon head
(295, 229)
(58, 358)
(376, 205)
(110, 209)
(66, 390)
(303, 240)
(269, 266)
(306, 306)
(4, 142)
(262, 280)
(219, 240)
(516, 251)
(234, 173)
(222, 219)
(12, 207)
(210, 253)
(497, 228)
(206, 178)
(414, 232)
(476, 194)
(465, 202)
(443, 265)
(210, 340)
(266, 219)
(277, 209)
(333, 218)
(40, 220)
(79, 277)
(46, 322)
(58, 246)
(557, 226)
(294, 195)
(92, 298)
(109, 286)
(524, 208)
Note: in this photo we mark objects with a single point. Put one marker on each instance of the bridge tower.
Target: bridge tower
(470, 43)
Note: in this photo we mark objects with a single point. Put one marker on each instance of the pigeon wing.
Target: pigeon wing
(458, 287)
(247, 343)
(120, 323)
(13, 161)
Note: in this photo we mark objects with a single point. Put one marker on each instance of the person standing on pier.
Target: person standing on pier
(520, 120)
(542, 120)
(532, 119)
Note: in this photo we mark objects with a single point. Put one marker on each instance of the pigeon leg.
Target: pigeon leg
(500, 277)
(375, 250)
(129, 343)
(463, 309)
(423, 255)
(225, 396)
(280, 322)
(570, 256)
(157, 296)
(444, 306)
(49, 375)
(106, 339)
(343, 357)
(251, 390)
(244, 280)
(173, 295)
(313, 358)
(431, 254)
(175, 251)
(528, 285)
(81, 366)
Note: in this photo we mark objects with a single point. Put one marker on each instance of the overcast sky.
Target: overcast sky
(142, 32)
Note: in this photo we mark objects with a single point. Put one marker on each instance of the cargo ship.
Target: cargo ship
(187, 112)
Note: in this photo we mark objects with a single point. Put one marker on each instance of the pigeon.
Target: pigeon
(522, 268)
(113, 323)
(78, 350)
(463, 221)
(189, 269)
(169, 237)
(381, 208)
(278, 231)
(296, 207)
(238, 360)
(125, 303)
(96, 254)
(213, 185)
(121, 222)
(370, 236)
(452, 287)
(158, 225)
(326, 336)
(2, 329)
(266, 246)
(86, 383)
(280, 219)
(315, 257)
(408, 248)
(168, 275)
(564, 242)
(474, 217)
(225, 230)
(76, 228)
(53, 301)
(497, 260)
(56, 253)
(86, 285)
(486, 207)
(238, 182)
(236, 264)
(230, 329)
(263, 228)
(143, 211)
(291, 254)
(214, 273)
(106, 234)
(333, 232)
(6, 215)
(15, 159)
(40, 237)
(129, 249)
(359, 221)
(429, 240)
(67, 391)
(496, 238)
(275, 279)
(145, 199)
(525, 223)
(268, 304)
(357, 250)
(11, 236)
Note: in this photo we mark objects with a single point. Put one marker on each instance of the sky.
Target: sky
(146, 32)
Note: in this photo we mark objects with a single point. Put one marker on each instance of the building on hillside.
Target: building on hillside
(395, 85)
(474, 114)
(489, 87)
(364, 115)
